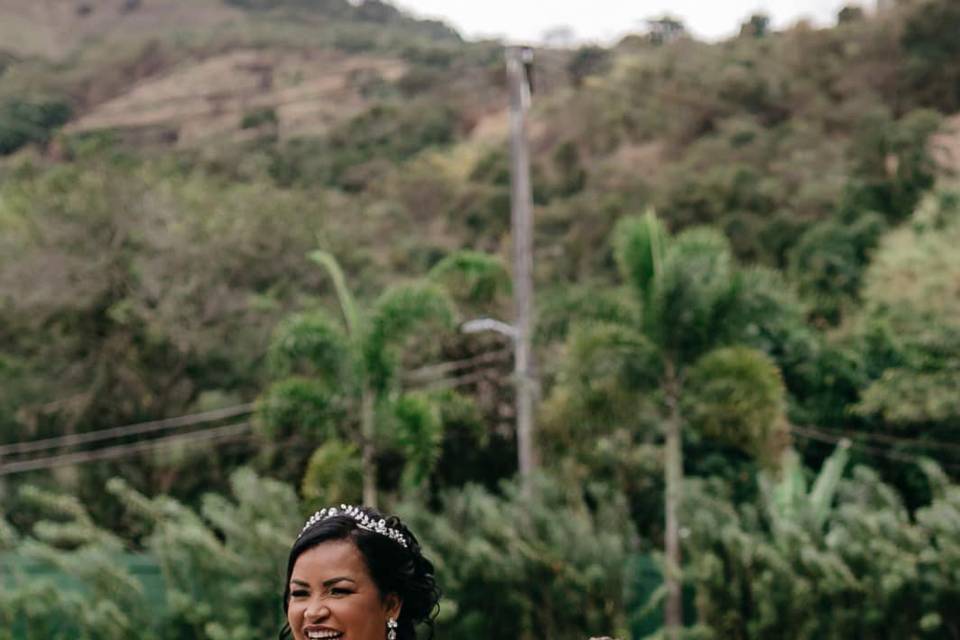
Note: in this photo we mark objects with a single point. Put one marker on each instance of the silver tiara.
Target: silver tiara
(362, 519)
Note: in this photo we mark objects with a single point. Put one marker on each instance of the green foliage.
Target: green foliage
(639, 246)
(606, 369)
(296, 407)
(30, 121)
(828, 262)
(757, 26)
(357, 152)
(334, 379)
(139, 282)
(904, 396)
(689, 305)
(178, 304)
(587, 61)
(860, 567)
(334, 475)
(790, 503)
(911, 287)
(260, 117)
(694, 299)
(316, 343)
(419, 433)
(892, 163)
(563, 308)
(542, 565)
(240, 542)
(850, 13)
(931, 52)
(397, 313)
(396, 134)
(473, 277)
(572, 175)
(736, 395)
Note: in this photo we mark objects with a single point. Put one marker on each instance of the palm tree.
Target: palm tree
(685, 351)
(340, 374)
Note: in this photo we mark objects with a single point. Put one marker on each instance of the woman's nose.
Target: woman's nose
(316, 610)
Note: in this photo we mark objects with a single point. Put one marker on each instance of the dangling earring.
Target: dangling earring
(392, 629)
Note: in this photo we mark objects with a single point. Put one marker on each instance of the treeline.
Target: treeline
(751, 241)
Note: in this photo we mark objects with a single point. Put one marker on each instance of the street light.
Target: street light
(480, 325)
(525, 390)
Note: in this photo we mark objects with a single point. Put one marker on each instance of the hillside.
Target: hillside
(295, 93)
(57, 29)
(742, 248)
(392, 131)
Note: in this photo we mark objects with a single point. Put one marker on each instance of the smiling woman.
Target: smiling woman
(354, 574)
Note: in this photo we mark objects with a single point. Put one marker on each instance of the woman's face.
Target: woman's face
(333, 596)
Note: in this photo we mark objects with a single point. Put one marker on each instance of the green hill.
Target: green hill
(167, 166)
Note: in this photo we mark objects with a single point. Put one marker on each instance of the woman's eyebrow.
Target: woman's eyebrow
(333, 581)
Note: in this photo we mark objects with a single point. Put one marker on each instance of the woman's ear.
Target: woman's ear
(392, 605)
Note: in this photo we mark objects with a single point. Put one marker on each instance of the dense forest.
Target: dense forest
(250, 230)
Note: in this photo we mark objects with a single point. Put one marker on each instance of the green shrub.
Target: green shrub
(545, 565)
(254, 119)
(806, 568)
(26, 121)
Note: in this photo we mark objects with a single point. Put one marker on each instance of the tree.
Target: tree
(686, 360)
(160, 286)
(72, 578)
(910, 325)
(828, 262)
(665, 30)
(757, 26)
(850, 13)
(892, 164)
(931, 50)
(26, 121)
(587, 61)
(842, 559)
(528, 564)
(337, 375)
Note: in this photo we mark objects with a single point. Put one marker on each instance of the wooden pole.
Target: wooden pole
(519, 61)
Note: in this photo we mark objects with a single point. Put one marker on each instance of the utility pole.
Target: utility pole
(519, 67)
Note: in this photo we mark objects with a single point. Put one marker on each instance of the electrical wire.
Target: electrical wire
(814, 434)
(230, 432)
(888, 439)
(129, 430)
(432, 372)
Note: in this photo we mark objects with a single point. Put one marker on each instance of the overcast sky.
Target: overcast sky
(526, 20)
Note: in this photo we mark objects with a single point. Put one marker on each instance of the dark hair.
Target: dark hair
(395, 569)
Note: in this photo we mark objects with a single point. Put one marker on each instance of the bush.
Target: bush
(254, 119)
(871, 570)
(540, 566)
(23, 122)
(222, 567)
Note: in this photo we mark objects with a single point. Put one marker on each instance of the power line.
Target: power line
(229, 432)
(888, 439)
(814, 434)
(129, 430)
(438, 371)
(459, 381)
